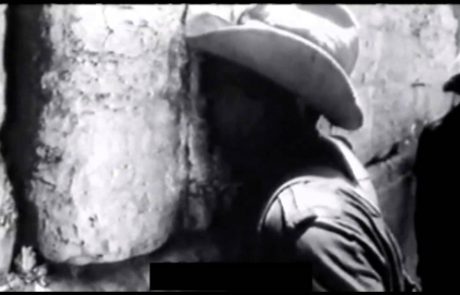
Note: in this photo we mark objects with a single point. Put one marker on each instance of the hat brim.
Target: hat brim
(290, 61)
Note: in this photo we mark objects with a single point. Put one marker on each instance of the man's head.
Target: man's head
(268, 77)
(251, 118)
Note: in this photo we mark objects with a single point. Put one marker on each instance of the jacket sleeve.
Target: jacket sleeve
(338, 263)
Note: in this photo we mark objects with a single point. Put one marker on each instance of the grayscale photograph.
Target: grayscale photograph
(229, 147)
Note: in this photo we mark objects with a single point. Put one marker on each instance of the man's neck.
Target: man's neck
(311, 156)
(262, 182)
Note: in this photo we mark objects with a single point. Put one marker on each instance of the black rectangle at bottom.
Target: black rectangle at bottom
(260, 277)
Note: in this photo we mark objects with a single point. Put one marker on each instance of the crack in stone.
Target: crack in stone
(185, 136)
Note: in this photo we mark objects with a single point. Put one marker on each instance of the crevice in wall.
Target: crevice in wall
(9, 55)
(186, 73)
(202, 175)
(24, 61)
(185, 125)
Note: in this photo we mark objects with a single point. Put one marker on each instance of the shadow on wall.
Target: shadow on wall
(21, 124)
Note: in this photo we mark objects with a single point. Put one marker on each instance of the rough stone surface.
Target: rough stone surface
(8, 213)
(8, 220)
(96, 141)
(406, 53)
(133, 275)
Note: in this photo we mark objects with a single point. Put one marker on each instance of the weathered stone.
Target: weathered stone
(405, 57)
(133, 274)
(97, 142)
(8, 213)
(8, 220)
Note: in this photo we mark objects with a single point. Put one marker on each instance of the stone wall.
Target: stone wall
(105, 131)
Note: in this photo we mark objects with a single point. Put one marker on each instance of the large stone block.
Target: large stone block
(406, 54)
(97, 139)
(133, 275)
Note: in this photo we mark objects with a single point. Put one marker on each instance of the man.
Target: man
(268, 79)
(436, 191)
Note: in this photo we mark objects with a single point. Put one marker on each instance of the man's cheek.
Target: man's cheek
(238, 119)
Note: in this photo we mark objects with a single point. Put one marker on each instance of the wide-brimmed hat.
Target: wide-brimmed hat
(308, 49)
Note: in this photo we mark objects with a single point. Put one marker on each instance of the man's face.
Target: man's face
(251, 119)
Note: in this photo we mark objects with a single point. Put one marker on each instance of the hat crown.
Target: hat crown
(330, 27)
